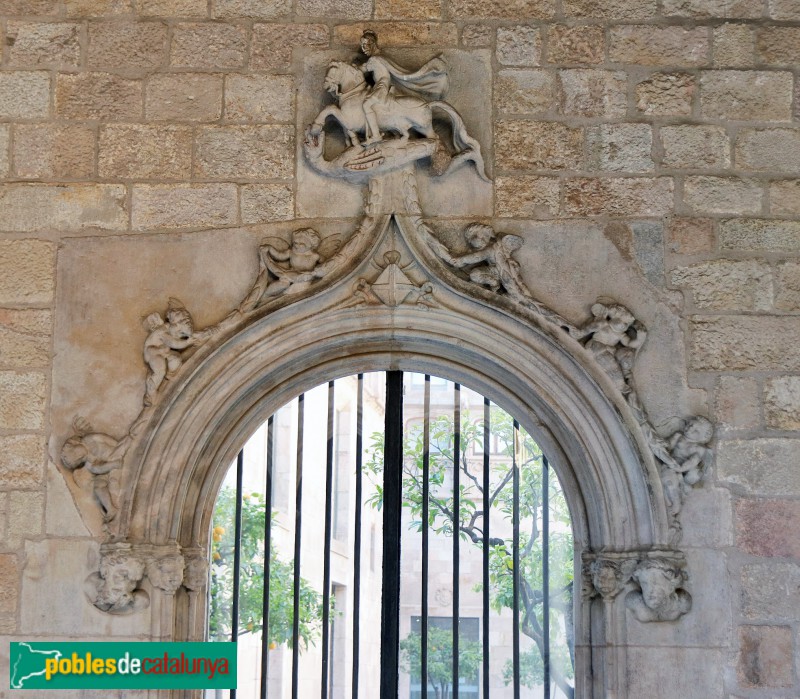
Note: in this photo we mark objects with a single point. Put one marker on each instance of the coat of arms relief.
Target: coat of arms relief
(387, 137)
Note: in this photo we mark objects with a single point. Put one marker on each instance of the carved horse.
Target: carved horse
(399, 114)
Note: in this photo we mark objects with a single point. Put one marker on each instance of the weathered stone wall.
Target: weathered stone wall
(642, 148)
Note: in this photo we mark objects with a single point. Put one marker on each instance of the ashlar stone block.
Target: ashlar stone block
(775, 150)
(259, 98)
(627, 10)
(271, 45)
(532, 145)
(620, 148)
(127, 45)
(43, 44)
(768, 527)
(760, 235)
(628, 196)
(784, 9)
(741, 343)
(787, 297)
(27, 269)
(525, 92)
(690, 236)
(183, 97)
(25, 516)
(575, 45)
(98, 8)
(765, 467)
(9, 586)
(345, 9)
(256, 152)
(771, 591)
(143, 151)
(738, 403)
(408, 9)
(746, 95)
(649, 45)
(172, 8)
(666, 94)
(765, 656)
(22, 465)
(723, 285)
(5, 141)
(593, 93)
(183, 205)
(723, 195)
(695, 147)
(503, 9)
(101, 96)
(45, 151)
(778, 46)
(519, 46)
(782, 404)
(527, 197)
(208, 45)
(252, 9)
(41, 207)
(702, 9)
(262, 203)
(784, 198)
(22, 400)
(734, 46)
(24, 94)
(25, 337)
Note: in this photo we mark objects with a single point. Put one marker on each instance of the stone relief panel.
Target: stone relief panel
(363, 143)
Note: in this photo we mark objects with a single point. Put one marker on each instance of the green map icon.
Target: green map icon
(29, 662)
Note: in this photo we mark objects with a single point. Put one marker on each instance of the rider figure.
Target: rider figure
(381, 77)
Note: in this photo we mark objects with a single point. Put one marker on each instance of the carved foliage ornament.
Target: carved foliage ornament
(386, 142)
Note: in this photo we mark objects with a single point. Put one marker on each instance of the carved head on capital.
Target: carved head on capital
(114, 588)
(661, 597)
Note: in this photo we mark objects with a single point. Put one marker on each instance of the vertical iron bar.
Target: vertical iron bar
(357, 537)
(456, 529)
(297, 541)
(237, 553)
(326, 561)
(392, 506)
(267, 557)
(515, 563)
(426, 484)
(546, 573)
(487, 448)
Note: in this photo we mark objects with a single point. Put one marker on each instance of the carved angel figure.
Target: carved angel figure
(660, 597)
(114, 588)
(613, 336)
(163, 346)
(99, 454)
(290, 267)
(491, 264)
(684, 456)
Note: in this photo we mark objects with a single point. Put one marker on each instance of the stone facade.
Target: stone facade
(643, 151)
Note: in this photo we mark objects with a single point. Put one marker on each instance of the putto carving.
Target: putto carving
(376, 97)
(99, 454)
(490, 265)
(392, 287)
(115, 587)
(168, 337)
(660, 596)
(683, 458)
(613, 336)
(290, 267)
(166, 571)
(608, 575)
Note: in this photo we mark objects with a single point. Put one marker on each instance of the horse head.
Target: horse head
(342, 78)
